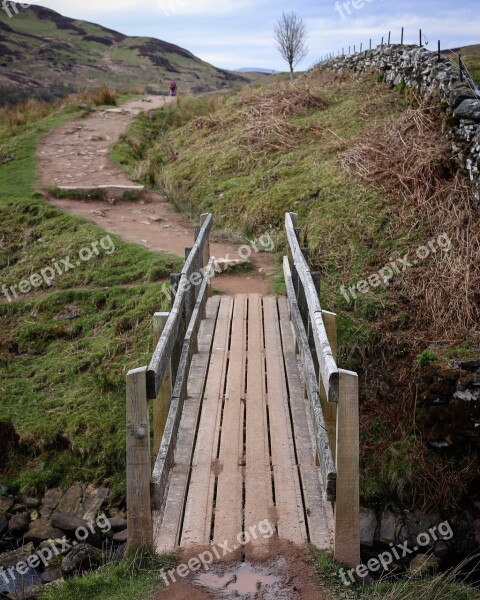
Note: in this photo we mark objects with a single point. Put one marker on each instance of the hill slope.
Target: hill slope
(46, 54)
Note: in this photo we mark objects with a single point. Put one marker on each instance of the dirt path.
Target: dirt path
(76, 155)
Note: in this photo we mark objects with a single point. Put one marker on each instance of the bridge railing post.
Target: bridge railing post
(161, 404)
(139, 512)
(347, 503)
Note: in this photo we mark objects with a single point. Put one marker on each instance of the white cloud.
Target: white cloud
(162, 7)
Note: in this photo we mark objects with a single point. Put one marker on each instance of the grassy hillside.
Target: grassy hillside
(274, 147)
(471, 58)
(47, 55)
(65, 347)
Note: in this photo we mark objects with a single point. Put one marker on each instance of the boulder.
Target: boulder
(66, 522)
(9, 559)
(120, 537)
(6, 504)
(18, 524)
(31, 502)
(117, 523)
(50, 574)
(93, 499)
(81, 559)
(50, 502)
(468, 109)
(71, 500)
(389, 527)
(42, 530)
(368, 526)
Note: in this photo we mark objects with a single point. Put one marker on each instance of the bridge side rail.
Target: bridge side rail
(332, 395)
(165, 382)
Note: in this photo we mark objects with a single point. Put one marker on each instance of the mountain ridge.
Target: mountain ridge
(45, 54)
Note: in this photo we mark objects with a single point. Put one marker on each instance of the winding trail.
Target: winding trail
(76, 155)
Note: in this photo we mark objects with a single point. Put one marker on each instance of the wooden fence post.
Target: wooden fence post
(330, 408)
(161, 404)
(140, 529)
(347, 504)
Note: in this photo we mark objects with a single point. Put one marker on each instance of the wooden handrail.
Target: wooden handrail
(324, 452)
(163, 351)
(333, 396)
(146, 491)
(327, 365)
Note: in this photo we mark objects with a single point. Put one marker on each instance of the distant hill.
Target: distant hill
(45, 54)
(255, 70)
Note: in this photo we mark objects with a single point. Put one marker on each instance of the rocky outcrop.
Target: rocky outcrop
(436, 80)
(449, 404)
(63, 534)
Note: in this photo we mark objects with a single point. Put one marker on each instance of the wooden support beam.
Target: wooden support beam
(347, 504)
(139, 513)
(161, 404)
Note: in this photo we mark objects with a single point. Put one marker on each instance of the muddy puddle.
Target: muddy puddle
(246, 580)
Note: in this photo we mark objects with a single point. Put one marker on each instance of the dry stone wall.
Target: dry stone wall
(435, 80)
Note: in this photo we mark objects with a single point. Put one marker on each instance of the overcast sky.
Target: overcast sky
(238, 33)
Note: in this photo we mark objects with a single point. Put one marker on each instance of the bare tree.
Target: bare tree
(291, 36)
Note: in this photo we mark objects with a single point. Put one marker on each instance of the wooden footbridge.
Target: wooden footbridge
(252, 419)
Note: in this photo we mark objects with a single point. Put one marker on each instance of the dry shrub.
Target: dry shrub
(286, 99)
(265, 124)
(105, 96)
(263, 134)
(411, 158)
(210, 121)
(101, 97)
(25, 112)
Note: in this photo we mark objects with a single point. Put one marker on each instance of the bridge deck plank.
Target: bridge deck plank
(258, 476)
(198, 510)
(228, 511)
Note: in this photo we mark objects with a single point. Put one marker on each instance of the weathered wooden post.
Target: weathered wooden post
(347, 504)
(161, 404)
(139, 512)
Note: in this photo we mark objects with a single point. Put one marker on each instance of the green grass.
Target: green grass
(135, 578)
(444, 586)
(62, 380)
